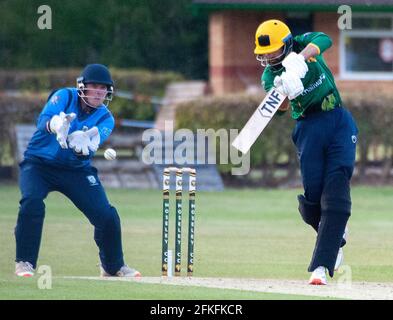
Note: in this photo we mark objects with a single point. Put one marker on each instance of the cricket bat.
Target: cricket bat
(258, 121)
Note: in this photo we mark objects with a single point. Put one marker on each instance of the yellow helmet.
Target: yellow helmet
(272, 35)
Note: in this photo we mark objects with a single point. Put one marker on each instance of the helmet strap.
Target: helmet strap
(265, 62)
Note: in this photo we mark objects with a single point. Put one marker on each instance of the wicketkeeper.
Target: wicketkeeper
(325, 134)
(70, 129)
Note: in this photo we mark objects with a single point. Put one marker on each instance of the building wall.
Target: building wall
(327, 23)
(232, 64)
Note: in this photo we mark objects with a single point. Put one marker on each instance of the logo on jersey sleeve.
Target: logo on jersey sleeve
(55, 99)
(92, 181)
(106, 131)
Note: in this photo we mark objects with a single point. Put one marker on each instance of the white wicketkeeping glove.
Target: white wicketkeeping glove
(83, 141)
(60, 125)
(296, 64)
(289, 84)
(94, 139)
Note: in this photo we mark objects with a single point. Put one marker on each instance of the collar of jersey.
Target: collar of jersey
(82, 115)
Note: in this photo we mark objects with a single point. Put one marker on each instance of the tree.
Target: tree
(153, 34)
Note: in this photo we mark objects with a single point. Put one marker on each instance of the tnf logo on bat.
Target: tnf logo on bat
(274, 101)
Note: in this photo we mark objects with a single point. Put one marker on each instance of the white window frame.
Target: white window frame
(356, 75)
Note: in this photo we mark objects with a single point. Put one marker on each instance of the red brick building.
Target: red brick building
(361, 57)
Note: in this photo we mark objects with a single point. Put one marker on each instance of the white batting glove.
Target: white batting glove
(289, 84)
(60, 125)
(83, 141)
(296, 64)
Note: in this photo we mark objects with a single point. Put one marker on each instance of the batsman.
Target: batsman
(325, 135)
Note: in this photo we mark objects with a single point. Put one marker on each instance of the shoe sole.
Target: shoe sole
(24, 275)
(317, 282)
(136, 275)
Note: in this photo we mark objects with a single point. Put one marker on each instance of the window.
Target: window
(299, 22)
(366, 51)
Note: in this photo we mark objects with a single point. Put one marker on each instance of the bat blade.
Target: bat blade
(258, 121)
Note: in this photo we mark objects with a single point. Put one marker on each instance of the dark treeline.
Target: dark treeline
(152, 34)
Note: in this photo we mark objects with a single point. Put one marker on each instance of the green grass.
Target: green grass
(239, 234)
(88, 289)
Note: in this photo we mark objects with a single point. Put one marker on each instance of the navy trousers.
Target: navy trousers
(83, 188)
(326, 145)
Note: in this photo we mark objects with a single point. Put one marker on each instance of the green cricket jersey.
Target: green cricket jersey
(319, 86)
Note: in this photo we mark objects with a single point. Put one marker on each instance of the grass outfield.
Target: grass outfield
(239, 234)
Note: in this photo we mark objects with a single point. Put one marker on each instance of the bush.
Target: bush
(22, 109)
(134, 80)
(126, 109)
(374, 118)
(144, 82)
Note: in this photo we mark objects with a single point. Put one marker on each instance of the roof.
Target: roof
(298, 5)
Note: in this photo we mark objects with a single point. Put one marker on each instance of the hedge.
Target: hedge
(274, 148)
(24, 109)
(135, 80)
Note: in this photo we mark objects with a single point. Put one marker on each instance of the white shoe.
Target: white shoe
(24, 269)
(125, 271)
(340, 259)
(340, 254)
(345, 233)
(318, 277)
